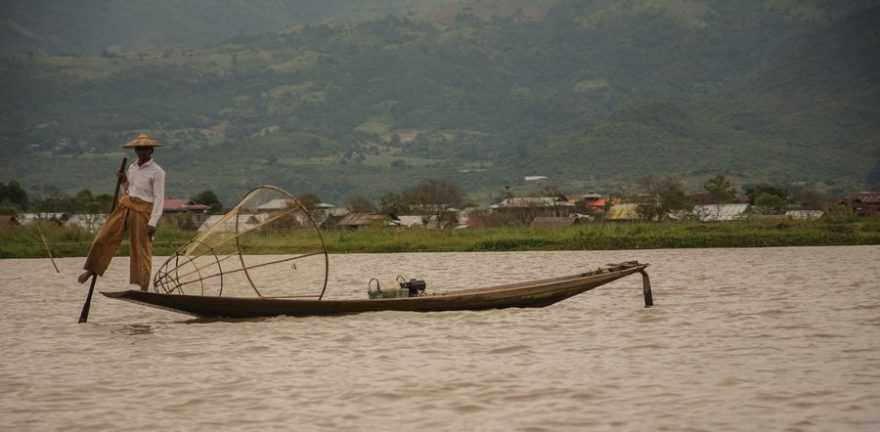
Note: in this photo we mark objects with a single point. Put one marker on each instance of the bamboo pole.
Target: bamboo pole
(46, 245)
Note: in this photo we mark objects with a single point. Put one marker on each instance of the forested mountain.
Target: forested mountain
(593, 94)
(88, 27)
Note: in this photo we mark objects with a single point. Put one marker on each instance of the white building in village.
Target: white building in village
(720, 212)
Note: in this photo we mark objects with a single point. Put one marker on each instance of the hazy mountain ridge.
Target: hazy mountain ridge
(600, 89)
(87, 27)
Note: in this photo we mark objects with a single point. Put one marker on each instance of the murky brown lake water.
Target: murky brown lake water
(739, 339)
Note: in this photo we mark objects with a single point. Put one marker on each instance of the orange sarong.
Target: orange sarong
(132, 215)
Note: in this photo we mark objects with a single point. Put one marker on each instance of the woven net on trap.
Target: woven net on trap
(221, 261)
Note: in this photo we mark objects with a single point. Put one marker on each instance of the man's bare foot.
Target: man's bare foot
(85, 276)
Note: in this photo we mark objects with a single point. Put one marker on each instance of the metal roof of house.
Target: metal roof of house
(276, 204)
(866, 197)
(413, 220)
(365, 219)
(518, 202)
(339, 212)
(623, 212)
(720, 212)
(432, 208)
(27, 218)
(171, 205)
(244, 224)
(804, 214)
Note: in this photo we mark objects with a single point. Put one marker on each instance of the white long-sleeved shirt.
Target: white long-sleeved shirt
(147, 182)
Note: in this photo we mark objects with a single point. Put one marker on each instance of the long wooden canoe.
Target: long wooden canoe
(538, 293)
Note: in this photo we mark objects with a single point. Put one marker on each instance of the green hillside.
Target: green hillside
(593, 94)
(88, 27)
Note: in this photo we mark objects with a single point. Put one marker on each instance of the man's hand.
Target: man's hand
(121, 175)
(151, 231)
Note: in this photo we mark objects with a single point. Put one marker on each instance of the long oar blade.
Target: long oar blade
(84, 315)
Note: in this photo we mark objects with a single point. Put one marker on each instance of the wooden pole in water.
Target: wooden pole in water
(84, 314)
(46, 244)
(646, 287)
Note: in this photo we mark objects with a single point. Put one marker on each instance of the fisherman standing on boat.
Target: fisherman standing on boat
(138, 212)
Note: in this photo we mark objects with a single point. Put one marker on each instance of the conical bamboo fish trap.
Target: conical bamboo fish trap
(217, 262)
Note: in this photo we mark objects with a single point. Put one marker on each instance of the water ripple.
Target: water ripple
(739, 339)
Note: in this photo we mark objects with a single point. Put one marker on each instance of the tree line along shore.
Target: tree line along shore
(26, 241)
(653, 225)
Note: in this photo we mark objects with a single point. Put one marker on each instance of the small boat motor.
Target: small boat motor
(402, 288)
(416, 287)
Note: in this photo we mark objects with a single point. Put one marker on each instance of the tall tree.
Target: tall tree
(556, 192)
(433, 196)
(209, 198)
(84, 202)
(663, 195)
(552, 190)
(359, 204)
(721, 189)
(15, 194)
(54, 200)
(309, 200)
(393, 203)
(754, 191)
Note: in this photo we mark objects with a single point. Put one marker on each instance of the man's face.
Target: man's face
(143, 152)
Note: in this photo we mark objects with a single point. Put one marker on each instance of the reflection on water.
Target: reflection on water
(739, 339)
(134, 329)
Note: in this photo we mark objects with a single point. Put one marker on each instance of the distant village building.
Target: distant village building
(183, 213)
(804, 214)
(542, 206)
(865, 203)
(705, 198)
(362, 220)
(275, 204)
(419, 221)
(593, 203)
(523, 210)
(438, 209)
(676, 215)
(243, 222)
(329, 218)
(29, 218)
(88, 222)
(183, 205)
(720, 212)
(469, 217)
(627, 212)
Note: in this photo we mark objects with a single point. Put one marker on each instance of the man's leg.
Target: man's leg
(106, 243)
(141, 261)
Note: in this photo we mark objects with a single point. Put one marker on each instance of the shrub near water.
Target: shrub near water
(24, 242)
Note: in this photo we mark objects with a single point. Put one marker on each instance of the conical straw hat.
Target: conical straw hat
(143, 140)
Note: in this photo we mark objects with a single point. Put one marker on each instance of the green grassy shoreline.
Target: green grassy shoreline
(25, 242)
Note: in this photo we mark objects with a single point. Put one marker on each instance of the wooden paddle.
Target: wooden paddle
(84, 315)
(46, 245)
